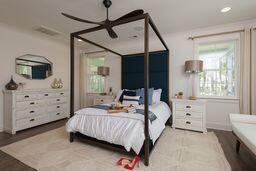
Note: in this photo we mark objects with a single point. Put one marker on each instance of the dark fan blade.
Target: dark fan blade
(111, 33)
(81, 20)
(132, 14)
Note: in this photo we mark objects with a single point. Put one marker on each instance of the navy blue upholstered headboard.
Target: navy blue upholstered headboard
(133, 72)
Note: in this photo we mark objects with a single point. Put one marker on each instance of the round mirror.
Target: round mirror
(33, 67)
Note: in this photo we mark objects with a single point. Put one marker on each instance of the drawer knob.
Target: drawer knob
(61, 93)
(32, 103)
(32, 111)
(101, 100)
(57, 113)
(31, 120)
(188, 107)
(26, 96)
(188, 122)
(188, 114)
(58, 106)
(58, 100)
(45, 94)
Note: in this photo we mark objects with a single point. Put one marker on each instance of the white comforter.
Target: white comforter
(120, 128)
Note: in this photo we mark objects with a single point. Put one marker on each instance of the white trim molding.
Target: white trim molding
(218, 126)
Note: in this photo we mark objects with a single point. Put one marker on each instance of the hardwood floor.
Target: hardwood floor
(243, 161)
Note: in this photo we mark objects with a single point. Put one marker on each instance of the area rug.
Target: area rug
(176, 150)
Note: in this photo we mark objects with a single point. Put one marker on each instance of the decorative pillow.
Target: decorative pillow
(131, 100)
(140, 92)
(118, 95)
(127, 93)
(157, 96)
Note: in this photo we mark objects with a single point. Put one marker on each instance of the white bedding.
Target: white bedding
(120, 128)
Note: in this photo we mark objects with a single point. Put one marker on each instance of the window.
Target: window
(220, 72)
(95, 82)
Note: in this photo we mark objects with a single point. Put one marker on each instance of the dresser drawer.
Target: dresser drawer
(61, 94)
(184, 114)
(58, 107)
(26, 97)
(30, 104)
(30, 113)
(58, 115)
(30, 122)
(189, 107)
(57, 100)
(191, 124)
(46, 95)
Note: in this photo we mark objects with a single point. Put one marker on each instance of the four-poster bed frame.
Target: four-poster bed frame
(147, 22)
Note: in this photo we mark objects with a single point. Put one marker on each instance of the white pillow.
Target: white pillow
(131, 100)
(118, 95)
(157, 96)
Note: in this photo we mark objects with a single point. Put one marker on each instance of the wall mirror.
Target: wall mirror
(33, 67)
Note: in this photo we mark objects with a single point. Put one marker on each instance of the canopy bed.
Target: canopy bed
(153, 64)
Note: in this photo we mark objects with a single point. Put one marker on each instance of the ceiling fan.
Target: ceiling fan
(107, 23)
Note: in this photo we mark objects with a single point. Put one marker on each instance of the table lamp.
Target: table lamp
(193, 67)
(103, 71)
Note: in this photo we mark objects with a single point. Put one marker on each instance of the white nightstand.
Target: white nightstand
(96, 99)
(189, 114)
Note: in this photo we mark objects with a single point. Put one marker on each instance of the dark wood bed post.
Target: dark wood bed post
(146, 78)
(72, 76)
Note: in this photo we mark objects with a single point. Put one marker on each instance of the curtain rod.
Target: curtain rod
(215, 34)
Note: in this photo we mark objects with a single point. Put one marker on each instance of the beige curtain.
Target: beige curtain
(82, 79)
(247, 74)
(253, 71)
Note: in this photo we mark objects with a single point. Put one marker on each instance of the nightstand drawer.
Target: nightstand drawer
(183, 114)
(188, 124)
(189, 107)
(97, 101)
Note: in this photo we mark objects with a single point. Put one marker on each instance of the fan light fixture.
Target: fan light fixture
(108, 24)
(226, 9)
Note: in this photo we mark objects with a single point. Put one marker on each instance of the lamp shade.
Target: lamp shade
(103, 71)
(193, 66)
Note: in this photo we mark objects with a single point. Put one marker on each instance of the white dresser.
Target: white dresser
(189, 114)
(28, 108)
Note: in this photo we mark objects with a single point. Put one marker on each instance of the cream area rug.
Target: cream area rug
(177, 150)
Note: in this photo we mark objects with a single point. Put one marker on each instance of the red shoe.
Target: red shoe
(123, 161)
(136, 161)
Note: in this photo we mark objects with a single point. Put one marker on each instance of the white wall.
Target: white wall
(181, 49)
(14, 43)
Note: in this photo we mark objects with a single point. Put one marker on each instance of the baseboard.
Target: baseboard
(219, 126)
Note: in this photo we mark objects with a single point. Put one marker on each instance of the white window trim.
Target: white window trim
(216, 39)
(95, 55)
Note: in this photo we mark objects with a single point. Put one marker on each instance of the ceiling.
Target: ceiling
(169, 15)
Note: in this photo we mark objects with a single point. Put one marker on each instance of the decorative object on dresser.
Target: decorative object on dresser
(192, 67)
(189, 114)
(33, 67)
(96, 99)
(28, 108)
(11, 85)
(57, 84)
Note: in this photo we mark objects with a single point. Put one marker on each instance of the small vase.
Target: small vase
(60, 84)
(55, 83)
(11, 85)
